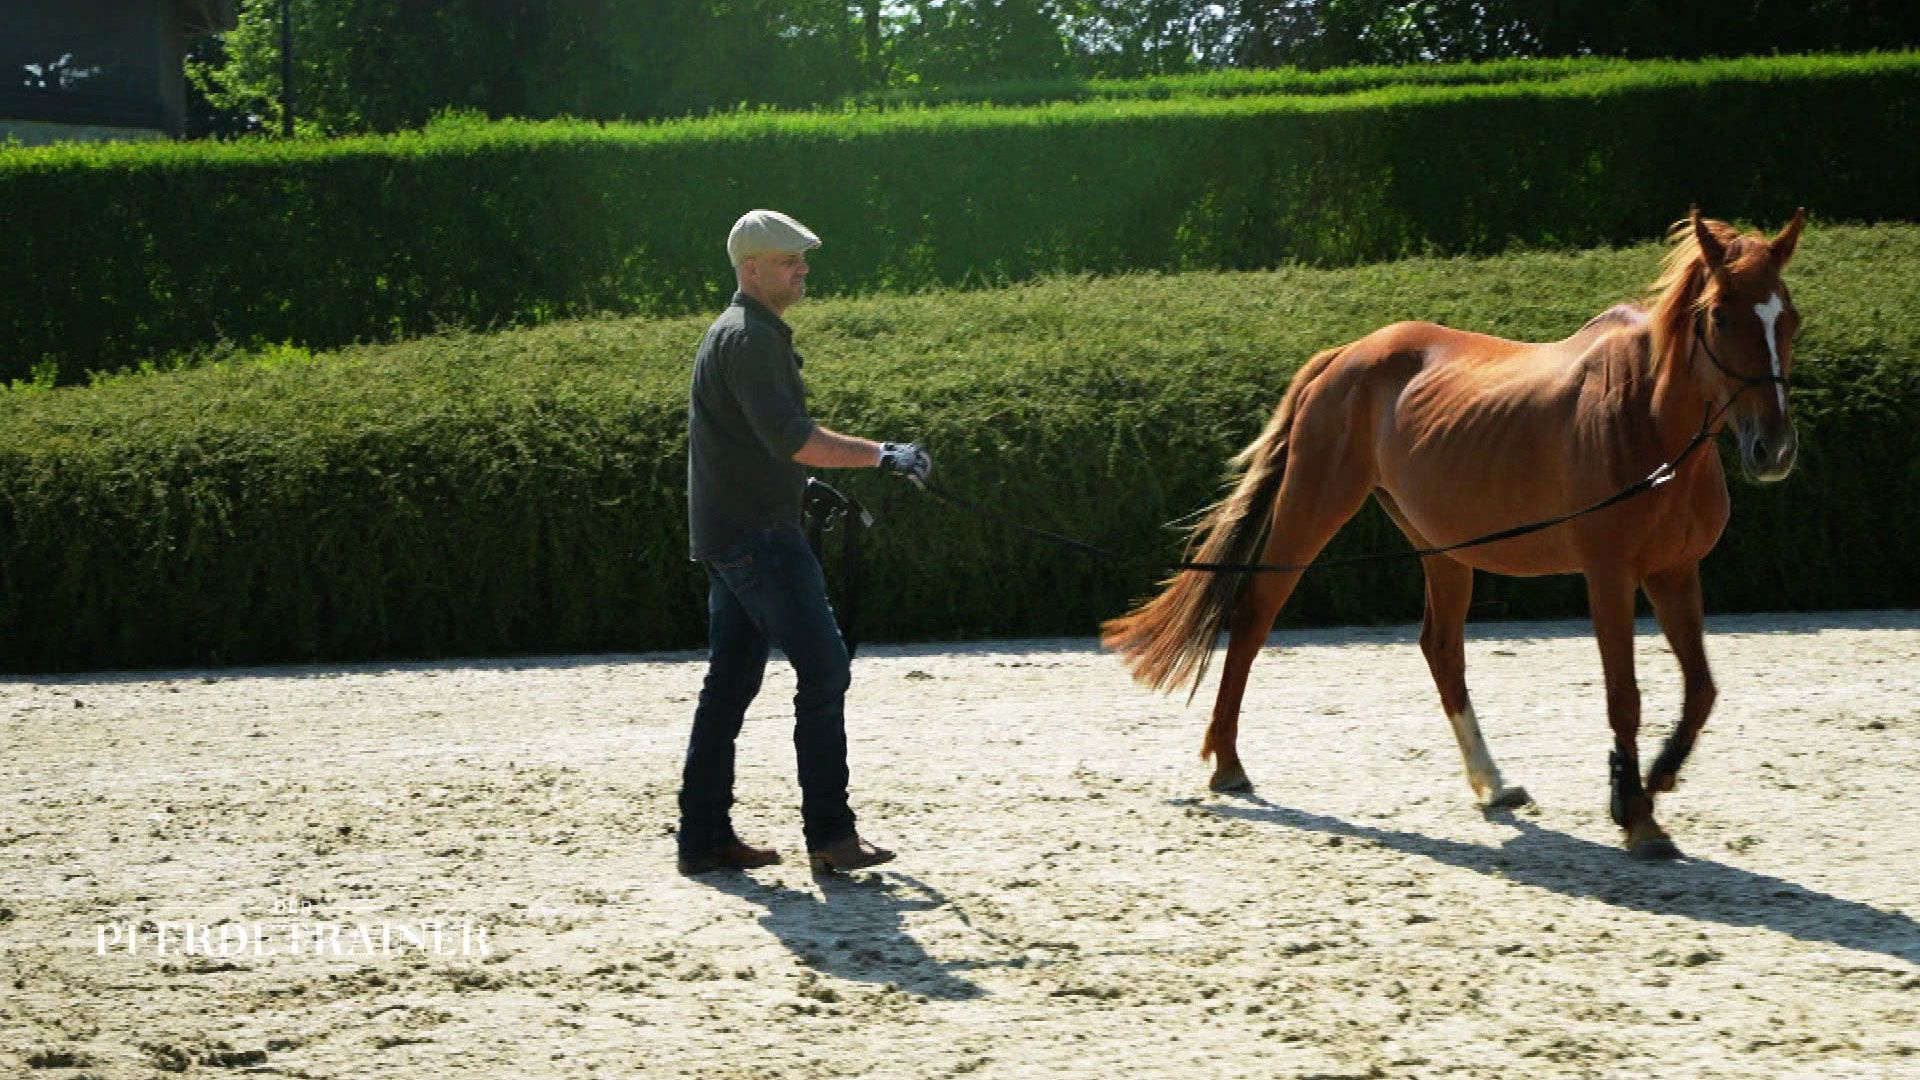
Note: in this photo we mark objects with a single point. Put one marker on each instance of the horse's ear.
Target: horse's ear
(1712, 251)
(1782, 246)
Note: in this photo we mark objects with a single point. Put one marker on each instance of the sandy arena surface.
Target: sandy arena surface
(1069, 901)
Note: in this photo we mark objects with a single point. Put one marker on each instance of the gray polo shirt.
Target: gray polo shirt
(746, 416)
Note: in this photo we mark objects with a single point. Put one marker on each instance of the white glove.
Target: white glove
(908, 460)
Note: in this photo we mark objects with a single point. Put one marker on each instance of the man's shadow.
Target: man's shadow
(1694, 888)
(855, 930)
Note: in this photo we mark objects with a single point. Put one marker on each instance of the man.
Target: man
(749, 441)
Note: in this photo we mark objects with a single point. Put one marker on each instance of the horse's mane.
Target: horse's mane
(1684, 287)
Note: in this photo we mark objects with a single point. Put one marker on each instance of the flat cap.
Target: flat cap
(760, 231)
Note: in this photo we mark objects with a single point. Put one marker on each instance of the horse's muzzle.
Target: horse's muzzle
(1768, 457)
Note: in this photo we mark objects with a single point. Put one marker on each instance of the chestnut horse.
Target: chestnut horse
(1460, 435)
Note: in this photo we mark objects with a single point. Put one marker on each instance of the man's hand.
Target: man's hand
(908, 460)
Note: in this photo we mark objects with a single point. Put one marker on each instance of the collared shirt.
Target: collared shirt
(746, 417)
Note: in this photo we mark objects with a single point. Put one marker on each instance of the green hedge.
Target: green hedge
(523, 491)
(123, 254)
(1237, 82)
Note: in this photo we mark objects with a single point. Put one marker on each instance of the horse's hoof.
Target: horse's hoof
(1654, 848)
(1231, 782)
(1507, 798)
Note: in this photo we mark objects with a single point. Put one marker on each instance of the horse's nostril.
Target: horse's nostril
(1767, 459)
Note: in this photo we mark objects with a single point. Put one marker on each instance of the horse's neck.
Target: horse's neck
(1674, 400)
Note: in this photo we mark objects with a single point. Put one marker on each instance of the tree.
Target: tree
(1132, 38)
(380, 65)
(873, 60)
(204, 118)
(376, 65)
(950, 42)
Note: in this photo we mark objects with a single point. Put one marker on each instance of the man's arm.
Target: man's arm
(826, 449)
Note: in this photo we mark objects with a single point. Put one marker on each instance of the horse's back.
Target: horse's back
(1417, 378)
(1395, 355)
(1471, 433)
(1616, 318)
(1438, 341)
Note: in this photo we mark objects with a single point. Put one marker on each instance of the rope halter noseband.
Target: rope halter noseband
(1747, 382)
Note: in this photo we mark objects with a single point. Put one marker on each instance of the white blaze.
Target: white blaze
(1769, 312)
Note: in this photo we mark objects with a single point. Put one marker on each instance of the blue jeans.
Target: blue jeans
(768, 591)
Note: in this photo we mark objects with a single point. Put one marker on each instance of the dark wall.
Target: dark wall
(107, 63)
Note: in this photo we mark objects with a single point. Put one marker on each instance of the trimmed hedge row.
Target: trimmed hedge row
(121, 254)
(523, 491)
(1235, 82)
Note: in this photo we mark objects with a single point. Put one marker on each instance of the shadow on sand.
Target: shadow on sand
(854, 929)
(1699, 889)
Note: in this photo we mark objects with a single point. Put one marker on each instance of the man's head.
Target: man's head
(768, 250)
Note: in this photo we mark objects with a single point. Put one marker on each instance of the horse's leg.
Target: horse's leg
(1321, 491)
(1676, 600)
(1260, 603)
(1443, 638)
(1610, 600)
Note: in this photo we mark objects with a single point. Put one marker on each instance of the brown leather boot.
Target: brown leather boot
(848, 853)
(734, 855)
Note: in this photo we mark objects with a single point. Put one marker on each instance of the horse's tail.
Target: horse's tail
(1168, 640)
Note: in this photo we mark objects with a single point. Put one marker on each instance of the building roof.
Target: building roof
(199, 17)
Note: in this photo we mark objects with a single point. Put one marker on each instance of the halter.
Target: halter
(1747, 382)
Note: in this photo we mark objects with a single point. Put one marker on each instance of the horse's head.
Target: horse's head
(1740, 322)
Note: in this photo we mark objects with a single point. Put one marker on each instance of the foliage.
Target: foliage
(975, 40)
(377, 65)
(382, 65)
(205, 119)
(1399, 32)
(524, 491)
(129, 253)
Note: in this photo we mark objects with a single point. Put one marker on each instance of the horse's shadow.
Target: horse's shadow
(854, 929)
(1693, 888)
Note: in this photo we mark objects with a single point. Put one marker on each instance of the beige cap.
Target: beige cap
(760, 231)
